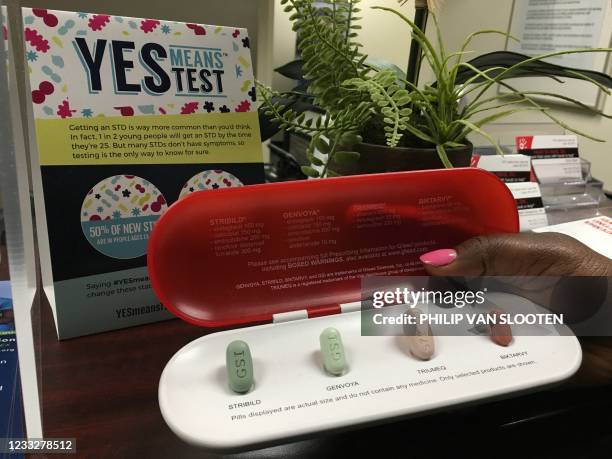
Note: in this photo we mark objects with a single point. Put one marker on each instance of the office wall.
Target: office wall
(384, 35)
(283, 46)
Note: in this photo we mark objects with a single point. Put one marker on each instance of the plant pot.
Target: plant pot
(379, 158)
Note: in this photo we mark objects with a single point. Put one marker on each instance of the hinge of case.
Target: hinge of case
(289, 316)
(317, 311)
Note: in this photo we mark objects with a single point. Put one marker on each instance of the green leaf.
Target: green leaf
(403, 100)
(346, 157)
(582, 76)
(475, 128)
(402, 93)
(420, 134)
(568, 99)
(443, 157)
(453, 144)
(504, 114)
(392, 89)
(349, 138)
(314, 160)
(310, 172)
(552, 117)
(322, 145)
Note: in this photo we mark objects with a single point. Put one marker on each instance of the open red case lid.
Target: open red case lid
(240, 255)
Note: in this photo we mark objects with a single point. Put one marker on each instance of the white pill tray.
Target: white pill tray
(294, 397)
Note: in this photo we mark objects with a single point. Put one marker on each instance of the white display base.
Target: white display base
(383, 380)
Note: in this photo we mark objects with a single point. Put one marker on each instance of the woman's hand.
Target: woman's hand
(523, 254)
(530, 261)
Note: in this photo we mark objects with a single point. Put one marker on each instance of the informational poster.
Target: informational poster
(130, 115)
(549, 26)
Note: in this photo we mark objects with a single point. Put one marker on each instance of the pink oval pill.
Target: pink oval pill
(419, 337)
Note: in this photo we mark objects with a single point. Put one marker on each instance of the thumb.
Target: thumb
(470, 258)
(494, 255)
(523, 254)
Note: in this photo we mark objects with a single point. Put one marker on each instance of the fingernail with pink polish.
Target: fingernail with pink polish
(441, 257)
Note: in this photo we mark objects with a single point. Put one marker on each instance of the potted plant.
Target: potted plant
(376, 120)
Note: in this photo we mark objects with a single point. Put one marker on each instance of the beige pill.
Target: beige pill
(419, 337)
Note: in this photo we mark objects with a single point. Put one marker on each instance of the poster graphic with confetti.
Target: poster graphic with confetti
(129, 116)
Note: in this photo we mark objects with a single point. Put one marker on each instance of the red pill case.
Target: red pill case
(240, 255)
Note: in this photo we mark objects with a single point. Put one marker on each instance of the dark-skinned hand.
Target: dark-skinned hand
(539, 257)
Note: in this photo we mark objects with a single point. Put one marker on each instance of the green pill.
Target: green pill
(333, 351)
(239, 366)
